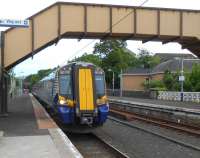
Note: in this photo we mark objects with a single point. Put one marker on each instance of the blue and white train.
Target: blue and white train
(76, 93)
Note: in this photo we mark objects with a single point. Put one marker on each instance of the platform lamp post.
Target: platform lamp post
(113, 81)
(3, 88)
(182, 78)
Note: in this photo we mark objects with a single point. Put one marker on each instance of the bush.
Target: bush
(154, 84)
(170, 81)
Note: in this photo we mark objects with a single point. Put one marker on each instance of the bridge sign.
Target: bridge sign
(14, 23)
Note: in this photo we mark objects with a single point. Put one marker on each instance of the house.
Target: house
(133, 78)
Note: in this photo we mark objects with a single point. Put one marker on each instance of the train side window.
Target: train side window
(65, 85)
(100, 87)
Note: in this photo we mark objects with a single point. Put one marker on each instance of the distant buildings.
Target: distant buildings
(133, 78)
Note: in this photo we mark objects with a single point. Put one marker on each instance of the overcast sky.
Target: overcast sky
(67, 48)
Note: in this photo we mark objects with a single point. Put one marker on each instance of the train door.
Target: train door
(86, 89)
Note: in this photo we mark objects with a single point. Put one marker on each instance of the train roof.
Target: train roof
(81, 63)
(50, 76)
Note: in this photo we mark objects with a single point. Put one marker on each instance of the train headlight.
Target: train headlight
(62, 102)
(65, 101)
(102, 100)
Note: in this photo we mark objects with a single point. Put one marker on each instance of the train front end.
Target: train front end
(82, 99)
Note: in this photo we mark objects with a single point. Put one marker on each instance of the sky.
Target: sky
(69, 48)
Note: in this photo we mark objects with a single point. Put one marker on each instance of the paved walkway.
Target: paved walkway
(21, 119)
(189, 105)
(29, 132)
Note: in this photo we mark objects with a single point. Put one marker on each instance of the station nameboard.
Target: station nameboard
(14, 23)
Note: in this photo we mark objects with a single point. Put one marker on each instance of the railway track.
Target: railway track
(127, 115)
(91, 146)
(128, 124)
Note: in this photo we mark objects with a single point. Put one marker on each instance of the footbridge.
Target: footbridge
(88, 21)
(85, 21)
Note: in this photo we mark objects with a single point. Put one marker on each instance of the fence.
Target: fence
(162, 95)
(176, 96)
(136, 94)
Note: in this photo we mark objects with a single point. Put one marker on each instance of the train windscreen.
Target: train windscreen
(100, 87)
(65, 85)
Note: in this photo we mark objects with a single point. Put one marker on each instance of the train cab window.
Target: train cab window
(100, 87)
(65, 85)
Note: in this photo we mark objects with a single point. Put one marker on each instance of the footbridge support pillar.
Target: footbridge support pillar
(3, 85)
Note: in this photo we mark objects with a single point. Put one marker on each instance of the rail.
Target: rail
(93, 146)
(194, 147)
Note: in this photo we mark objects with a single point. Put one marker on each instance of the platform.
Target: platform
(188, 106)
(186, 113)
(28, 131)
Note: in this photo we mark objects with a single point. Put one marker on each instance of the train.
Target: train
(76, 93)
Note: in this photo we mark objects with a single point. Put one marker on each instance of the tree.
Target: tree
(92, 58)
(110, 54)
(34, 78)
(115, 56)
(192, 81)
(154, 84)
(118, 59)
(170, 81)
(146, 60)
(187, 83)
(104, 47)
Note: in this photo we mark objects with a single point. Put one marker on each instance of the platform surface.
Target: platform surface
(21, 119)
(185, 105)
(29, 132)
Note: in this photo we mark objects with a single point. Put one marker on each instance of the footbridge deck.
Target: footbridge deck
(80, 20)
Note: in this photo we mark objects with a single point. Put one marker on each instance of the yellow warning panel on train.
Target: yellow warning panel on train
(86, 90)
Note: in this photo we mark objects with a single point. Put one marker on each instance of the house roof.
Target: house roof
(136, 71)
(173, 65)
(168, 56)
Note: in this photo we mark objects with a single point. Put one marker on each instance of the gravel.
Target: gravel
(139, 144)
